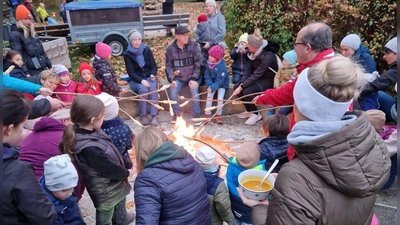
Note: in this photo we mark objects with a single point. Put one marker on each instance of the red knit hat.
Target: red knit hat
(22, 13)
(202, 18)
(85, 66)
(217, 52)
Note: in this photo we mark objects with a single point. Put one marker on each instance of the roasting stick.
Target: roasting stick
(149, 101)
(134, 121)
(191, 99)
(223, 157)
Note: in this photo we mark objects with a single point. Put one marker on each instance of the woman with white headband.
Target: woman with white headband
(142, 69)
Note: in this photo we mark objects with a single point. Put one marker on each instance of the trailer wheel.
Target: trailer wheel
(117, 43)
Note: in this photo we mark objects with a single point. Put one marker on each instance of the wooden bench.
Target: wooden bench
(159, 22)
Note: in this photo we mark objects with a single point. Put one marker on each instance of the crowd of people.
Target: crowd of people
(336, 150)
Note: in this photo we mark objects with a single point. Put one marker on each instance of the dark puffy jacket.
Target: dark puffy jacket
(23, 200)
(274, 148)
(362, 56)
(136, 73)
(17, 72)
(68, 212)
(259, 69)
(171, 189)
(386, 80)
(217, 77)
(186, 60)
(240, 61)
(29, 48)
(105, 73)
(104, 192)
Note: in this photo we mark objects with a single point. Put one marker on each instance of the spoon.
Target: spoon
(269, 171)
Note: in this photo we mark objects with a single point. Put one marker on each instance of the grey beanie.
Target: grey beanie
(392, 45)
(352, 40)
(134, 34)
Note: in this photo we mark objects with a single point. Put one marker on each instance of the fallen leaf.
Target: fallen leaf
(130, 204)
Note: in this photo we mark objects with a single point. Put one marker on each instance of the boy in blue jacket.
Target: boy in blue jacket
(58, 182)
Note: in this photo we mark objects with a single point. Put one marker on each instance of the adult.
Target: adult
(170, 187)
(13, 4)
(23, 200)
(313, 45)
(142, 69)
(183, 69)
(215, 32)
(259, 74)
(351, 47)
(388, 79)
(48, 132)
(338, 170)
(24, 40)
(168, 8)
(28, 5)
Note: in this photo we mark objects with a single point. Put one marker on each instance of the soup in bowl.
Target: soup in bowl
(249, 182)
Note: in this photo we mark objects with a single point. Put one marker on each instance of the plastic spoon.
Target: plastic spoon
(269, 171)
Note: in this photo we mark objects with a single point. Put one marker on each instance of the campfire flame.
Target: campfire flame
(181, 132)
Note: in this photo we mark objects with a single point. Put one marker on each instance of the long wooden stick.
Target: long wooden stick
(223, 157)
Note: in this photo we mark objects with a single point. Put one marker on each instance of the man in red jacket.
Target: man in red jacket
(313, 44)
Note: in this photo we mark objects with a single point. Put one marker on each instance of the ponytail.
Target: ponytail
(68, 141)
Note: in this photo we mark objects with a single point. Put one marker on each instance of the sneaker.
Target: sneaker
(154, 121)
(218, 119)
(144, 120)
(244, 114)
(253, 119)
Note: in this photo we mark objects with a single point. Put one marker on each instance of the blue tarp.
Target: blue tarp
(102, 4)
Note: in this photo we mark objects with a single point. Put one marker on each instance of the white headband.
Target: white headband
(134, 34)
(314, 105)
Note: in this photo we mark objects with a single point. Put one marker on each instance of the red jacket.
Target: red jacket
(80, 88)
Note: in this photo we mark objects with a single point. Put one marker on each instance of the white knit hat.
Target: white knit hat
(60, 173)
(205, 156)
(212, 2)
(110, 104)
(392, 45)
(352, 40)
(61, 114)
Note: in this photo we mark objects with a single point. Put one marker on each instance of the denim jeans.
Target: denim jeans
(386, 103)
(141, 89)
(173, 95)
(210, 97)
(115, 215)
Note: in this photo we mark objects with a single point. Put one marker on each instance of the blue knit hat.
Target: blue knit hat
(352, 41)
(290, 57)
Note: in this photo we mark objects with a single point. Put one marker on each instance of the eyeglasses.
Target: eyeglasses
(298, 43)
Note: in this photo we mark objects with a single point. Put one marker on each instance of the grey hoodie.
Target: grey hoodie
(215, 32)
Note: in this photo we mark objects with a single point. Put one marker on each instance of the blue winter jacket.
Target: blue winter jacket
(68, 212)
(19, 85)
(217, 77)
(240, 210)
(273, 148)
(362, 56)
(240, 61)
(171, 189)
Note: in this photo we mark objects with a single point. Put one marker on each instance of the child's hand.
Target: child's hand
(250, 202)
(124, 90)
(209, 90)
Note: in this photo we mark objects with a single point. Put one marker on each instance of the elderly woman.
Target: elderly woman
(142, 69)
(170, 187)
(342, 162)
(24, 40)
(259, 74)
(215, 32)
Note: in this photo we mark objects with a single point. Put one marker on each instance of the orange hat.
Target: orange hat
(85, 66)
(22, 13)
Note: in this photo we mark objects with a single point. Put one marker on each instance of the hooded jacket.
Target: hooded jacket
(29, 48)
(135, 72)
(23, 200)
(273, 148)
(362, 56)
(240, 61)
(258, 67)
(17, 72)
(386, 80)
(171, 189)
(187, 60)
(105, 73)
(333, 180)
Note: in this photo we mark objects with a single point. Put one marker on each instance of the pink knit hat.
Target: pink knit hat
(103, 50)
(217, 52)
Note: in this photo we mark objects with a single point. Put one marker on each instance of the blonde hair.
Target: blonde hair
(146, 142)
(339, 78)
(28, 31)
(49, 75)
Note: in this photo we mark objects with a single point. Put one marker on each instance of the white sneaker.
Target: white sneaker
(244, 114)
(253, 119)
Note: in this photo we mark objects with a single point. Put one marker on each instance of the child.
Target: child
(286, 72)
(247, 157)
(58, 182)
(63, 14)
(220, 205)
(102, 166)
(120, 133)
(44, 16)
(87, 84)
(48, 79)
(274, 144)
(66, 84)
(13, 58)
(240, 58)
(201, 28)
(104, 72)
(216, 78)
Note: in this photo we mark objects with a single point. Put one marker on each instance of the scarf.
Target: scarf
(138, 54)
(67, 84)
(326, 54)
(253, 56)
(212, 65)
